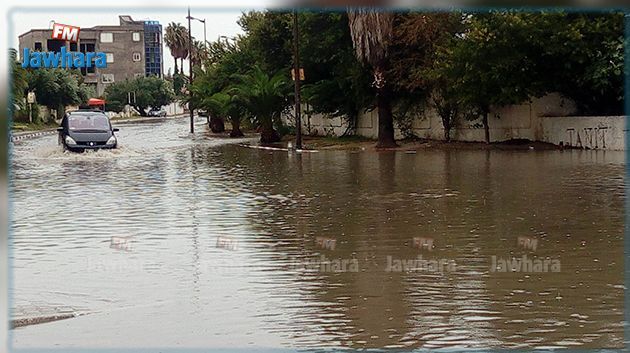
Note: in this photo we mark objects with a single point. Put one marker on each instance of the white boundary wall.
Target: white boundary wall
(546, 119)
(593, 132)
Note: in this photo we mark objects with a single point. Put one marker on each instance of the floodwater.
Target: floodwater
(178, 242)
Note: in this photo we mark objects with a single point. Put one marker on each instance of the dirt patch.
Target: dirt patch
(39, 320)
(361, 143)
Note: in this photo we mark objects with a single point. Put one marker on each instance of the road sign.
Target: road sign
(30, 97)
(301, 74)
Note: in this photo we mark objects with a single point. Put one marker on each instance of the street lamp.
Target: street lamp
(190, 66)
(205, 39)
(190, 77)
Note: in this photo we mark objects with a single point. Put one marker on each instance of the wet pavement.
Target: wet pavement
(177, 242)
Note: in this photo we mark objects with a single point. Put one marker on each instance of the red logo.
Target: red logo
(65, 32)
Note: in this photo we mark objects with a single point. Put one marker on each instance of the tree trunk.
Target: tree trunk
(236, 128)
(267, 132)
(61, 112)
(216, 124)
(486, 128)
(385, 120)
(175, 67)
(447, 133)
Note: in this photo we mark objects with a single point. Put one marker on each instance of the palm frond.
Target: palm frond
(371, 31)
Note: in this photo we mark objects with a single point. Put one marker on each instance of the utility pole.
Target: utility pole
(205, 39)
(190, 79)
(296, 74)
(205, 33)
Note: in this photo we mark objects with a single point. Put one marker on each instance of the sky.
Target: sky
(219, 22)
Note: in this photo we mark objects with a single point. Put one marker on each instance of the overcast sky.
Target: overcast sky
(219, 22)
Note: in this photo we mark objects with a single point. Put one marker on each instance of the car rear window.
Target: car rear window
(88, 122)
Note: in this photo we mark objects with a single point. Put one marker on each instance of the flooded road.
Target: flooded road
(173, 242)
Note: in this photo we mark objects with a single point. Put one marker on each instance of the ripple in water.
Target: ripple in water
(173, 241)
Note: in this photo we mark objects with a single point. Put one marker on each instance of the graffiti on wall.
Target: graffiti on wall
(588, 137)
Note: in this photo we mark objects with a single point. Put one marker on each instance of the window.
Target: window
(107, 78)
(85, 48)
(109, 57)
(38, 46)
(96, 122)
(107, 37)
(136, 56)
(136, 36)
(55, 44)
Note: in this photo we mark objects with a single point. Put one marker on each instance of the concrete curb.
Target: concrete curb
(31, 134)
(268, 148)
(39, 320)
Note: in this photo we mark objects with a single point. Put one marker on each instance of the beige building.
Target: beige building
(133, 48)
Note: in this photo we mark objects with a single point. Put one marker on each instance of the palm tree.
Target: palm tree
(170, 39)
(176, 39)
(223, 104)
(264, 98)
(199, 53)
(371, 31)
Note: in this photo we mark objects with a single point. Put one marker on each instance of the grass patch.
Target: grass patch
(23, 126)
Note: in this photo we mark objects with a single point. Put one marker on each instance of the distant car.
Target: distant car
(156, 112)
(86, 130)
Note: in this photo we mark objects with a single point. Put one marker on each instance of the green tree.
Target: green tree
(199, 53)
(58, 88)
(264, 97)
(336, 84)
(503, 58)
(493, 63)
(224, 60)
(115, 106)
(268, 36)
(19, 82)
(150, 91)
(583, 58)
(415, 85)
(226, 105)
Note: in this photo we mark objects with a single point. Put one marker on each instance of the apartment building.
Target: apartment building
(133, 48)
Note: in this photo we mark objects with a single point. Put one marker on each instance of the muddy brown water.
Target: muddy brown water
(178, 242)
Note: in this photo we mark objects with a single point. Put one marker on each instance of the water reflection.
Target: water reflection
(230, 246)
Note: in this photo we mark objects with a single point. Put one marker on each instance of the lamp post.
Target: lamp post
(190, 77)
(205, 38)
(190, 66)
(296, 74)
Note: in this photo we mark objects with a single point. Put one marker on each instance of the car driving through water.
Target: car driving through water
(159, 112)
(86, 130)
